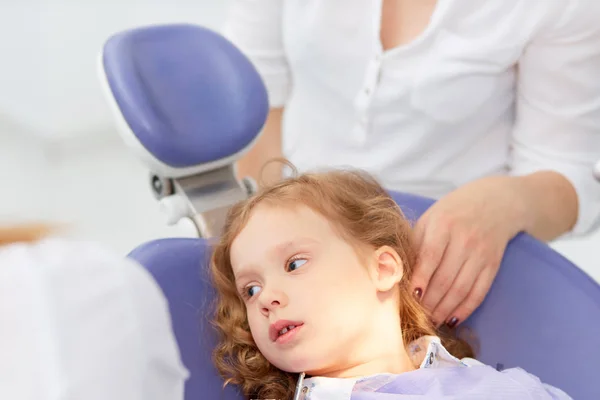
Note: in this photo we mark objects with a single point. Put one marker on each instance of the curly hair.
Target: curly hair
(363, 213)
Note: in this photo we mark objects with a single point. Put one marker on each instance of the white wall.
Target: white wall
(48, 53)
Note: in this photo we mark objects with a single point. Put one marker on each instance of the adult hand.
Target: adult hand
(461, 241)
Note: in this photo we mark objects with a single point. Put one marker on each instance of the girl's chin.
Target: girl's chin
(295, 366)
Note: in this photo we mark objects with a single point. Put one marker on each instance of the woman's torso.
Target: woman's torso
(426, 116)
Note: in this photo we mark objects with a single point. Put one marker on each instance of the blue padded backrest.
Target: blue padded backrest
(180, 266)
(179, 87)
(542, 313)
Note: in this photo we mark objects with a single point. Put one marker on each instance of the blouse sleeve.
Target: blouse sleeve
(255, 27)
(558, 105)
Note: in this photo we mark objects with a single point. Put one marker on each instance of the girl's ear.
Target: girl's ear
(388, 269)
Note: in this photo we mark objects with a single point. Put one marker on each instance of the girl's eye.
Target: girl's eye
(295, 264)
(251, 291)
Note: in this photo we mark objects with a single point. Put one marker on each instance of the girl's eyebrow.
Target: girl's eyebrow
(278, 251)
(243, 271)
(282, 249)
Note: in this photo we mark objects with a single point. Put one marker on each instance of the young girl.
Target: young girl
(313, 276)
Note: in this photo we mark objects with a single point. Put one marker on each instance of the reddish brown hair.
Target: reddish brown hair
(363, 213)
(25, 233)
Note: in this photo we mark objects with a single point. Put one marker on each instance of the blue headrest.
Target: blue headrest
(542, 312)
(179, 87)
(180, 266)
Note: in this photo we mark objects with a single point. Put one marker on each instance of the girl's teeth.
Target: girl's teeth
(285, 330)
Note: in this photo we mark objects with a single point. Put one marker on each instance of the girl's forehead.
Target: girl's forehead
(271, 230)
(281, 219)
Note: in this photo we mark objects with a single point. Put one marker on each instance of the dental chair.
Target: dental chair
(189, 104)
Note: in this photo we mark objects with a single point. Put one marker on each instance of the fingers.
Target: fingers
(454, 271)
(419, 231)
(444, 277)
(457, 284)
(457, 293)
(475, 297)
(430, 254)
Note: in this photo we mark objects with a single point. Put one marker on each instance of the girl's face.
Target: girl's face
(313, 304)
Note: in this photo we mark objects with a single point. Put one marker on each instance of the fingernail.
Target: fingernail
(418, 293)
(452, 323)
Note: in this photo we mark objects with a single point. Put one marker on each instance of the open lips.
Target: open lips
(282, 327)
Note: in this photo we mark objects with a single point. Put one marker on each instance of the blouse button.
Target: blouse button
(430, 358)
(305, 389)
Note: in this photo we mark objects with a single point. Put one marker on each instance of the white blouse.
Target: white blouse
(490, 87)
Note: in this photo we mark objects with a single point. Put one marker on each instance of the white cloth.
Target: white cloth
(490, 87)
(428, 353)
(77, 322)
